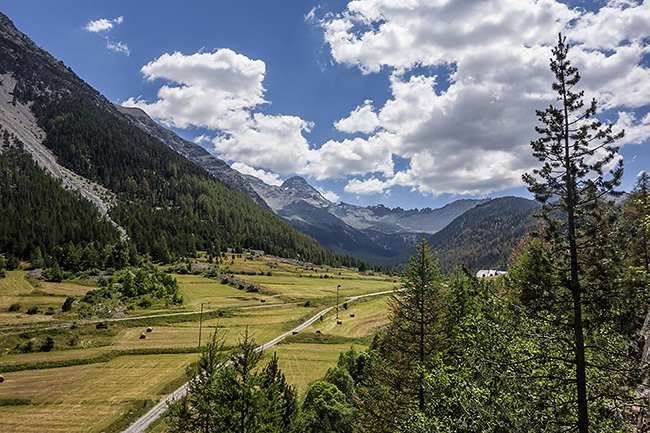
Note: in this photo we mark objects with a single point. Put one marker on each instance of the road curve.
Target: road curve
(141, 424)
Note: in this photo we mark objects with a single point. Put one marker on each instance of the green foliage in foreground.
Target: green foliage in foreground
(227, 393)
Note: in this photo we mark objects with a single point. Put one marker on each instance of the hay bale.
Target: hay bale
(143, 336)
(294, 332)
(262, 300)
(339, 322)
(2, 379)
(318, 331)
(351, 314)
(149, 329)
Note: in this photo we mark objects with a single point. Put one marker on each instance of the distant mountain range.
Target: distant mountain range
(374, 233)
(120, 160)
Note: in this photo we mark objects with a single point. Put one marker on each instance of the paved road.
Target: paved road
(141, 424)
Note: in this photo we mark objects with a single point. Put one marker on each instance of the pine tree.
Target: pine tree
(228, 393)
(574, 149)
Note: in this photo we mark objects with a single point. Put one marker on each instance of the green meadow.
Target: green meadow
(99, 378)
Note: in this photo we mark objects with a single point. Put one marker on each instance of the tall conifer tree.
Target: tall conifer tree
(574, 149)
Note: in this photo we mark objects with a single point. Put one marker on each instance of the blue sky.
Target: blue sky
(413, 103)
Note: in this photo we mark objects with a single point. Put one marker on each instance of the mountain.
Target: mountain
(374, 233)
(398, 220)
(170, 197)
(485, 236)
(167, 205)
(195, 153)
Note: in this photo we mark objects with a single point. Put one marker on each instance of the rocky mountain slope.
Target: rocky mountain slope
(193, 152)
(169, 206)
(18, 120)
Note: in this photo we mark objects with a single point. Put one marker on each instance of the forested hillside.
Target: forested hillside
(37, 213)
(485, 236)
(168, 205)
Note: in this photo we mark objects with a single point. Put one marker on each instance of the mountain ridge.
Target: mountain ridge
(170, 207)
(191, 151)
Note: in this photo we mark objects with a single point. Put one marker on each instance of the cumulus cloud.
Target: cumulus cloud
(329, 195)
(472, 137)
(366, 187)
(362, 119)
(267, 177)
(464, 78)
(221, 91)
(212, 90)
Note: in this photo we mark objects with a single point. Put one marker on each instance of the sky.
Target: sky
(410, 103)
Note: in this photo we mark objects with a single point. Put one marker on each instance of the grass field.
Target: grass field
(304, 364)
(16, 289)
(196, 290)
(96, 396)
(86, 398)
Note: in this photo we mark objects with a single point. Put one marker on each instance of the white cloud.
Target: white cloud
(118, 47)
(103, 25)
(366, 187)
(212, 90)
(329, 195)
(472, 136)
(273, 142)
(636, 130)
(362, 119)
(465, 79)
(266, 176)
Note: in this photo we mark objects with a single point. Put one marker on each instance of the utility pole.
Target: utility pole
(337, 301)
(200, 324)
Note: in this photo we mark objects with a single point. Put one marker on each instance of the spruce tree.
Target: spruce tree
(407, 347)
(229, 393)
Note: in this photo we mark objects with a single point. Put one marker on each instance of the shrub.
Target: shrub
(48, 345)
(28, 346)
(101, 325)
(13, 263)
(33, 310)
(67, 305)
(14, 307)
(145, 302)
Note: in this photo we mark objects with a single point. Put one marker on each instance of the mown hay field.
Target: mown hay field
(96, 396)
(86, 398)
